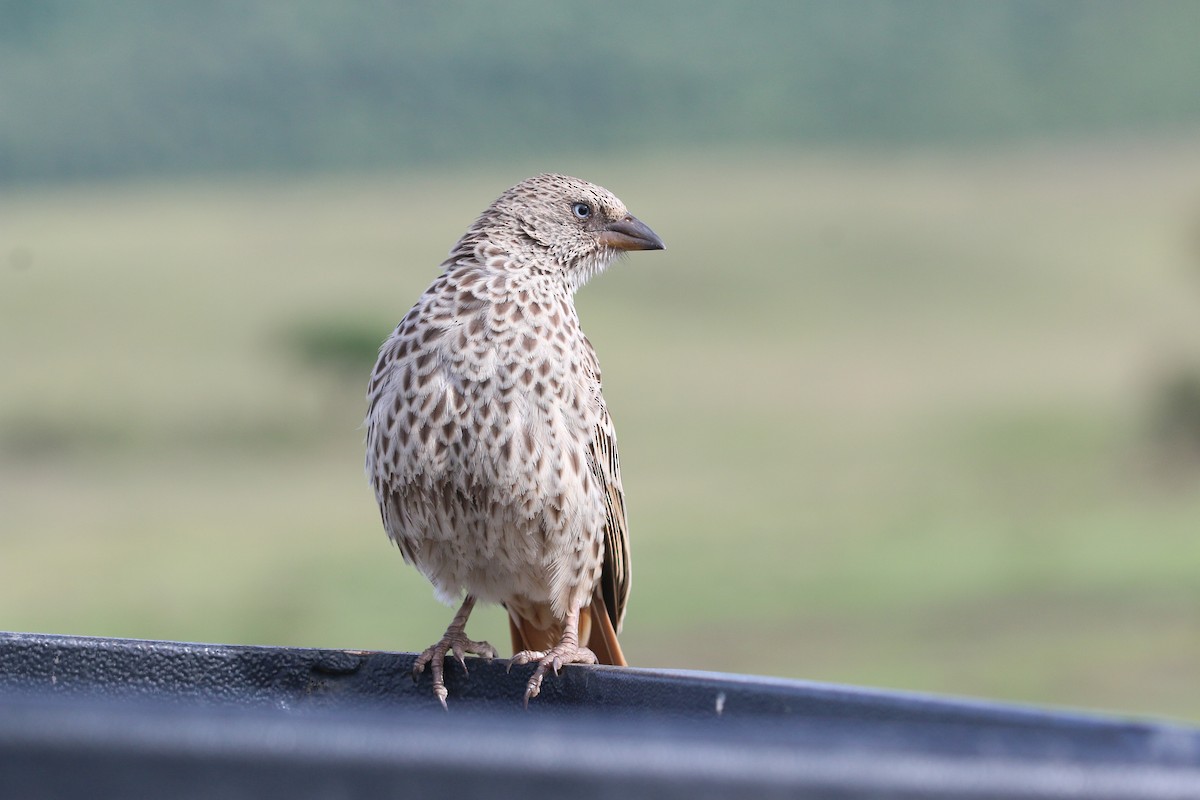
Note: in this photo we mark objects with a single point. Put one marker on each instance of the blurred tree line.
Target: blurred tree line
(93, 88)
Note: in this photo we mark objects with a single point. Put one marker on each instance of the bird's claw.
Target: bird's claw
(439, 691)
(526, 657)
(456, 643)
(554, 659)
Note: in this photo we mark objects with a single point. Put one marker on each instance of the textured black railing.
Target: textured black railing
(100, 718)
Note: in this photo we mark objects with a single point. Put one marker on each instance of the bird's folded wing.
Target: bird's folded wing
(606, 469)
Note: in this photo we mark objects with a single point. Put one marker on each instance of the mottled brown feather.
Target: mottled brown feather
(489, 444)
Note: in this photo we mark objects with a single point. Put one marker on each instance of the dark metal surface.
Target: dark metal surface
(99, 718)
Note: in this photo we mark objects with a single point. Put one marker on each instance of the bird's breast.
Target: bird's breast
(493, 379)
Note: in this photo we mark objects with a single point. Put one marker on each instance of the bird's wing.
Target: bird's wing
(606, 469)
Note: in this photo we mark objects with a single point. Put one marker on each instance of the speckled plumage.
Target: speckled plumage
(489, 446)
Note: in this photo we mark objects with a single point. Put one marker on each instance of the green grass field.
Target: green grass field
(888, 419)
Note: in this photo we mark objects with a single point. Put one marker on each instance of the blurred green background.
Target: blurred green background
(912, 399)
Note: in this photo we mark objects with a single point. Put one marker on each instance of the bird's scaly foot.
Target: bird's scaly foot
(455, 641)
(565, 652)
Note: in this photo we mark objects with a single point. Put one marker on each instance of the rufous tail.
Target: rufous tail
(596, 633)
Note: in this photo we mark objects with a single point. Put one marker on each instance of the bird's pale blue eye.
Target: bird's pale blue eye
(582, 210)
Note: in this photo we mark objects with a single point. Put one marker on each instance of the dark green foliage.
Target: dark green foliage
(1176, 416)
(342, 346)
(122, 87)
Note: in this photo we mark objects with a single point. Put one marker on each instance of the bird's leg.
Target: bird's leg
(455, 641)
(567, 651)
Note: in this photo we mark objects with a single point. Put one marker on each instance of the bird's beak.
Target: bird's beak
(630, 234)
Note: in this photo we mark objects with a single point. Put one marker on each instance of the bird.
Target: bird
(489, 445)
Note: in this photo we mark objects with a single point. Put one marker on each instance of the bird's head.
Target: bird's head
(567, 224)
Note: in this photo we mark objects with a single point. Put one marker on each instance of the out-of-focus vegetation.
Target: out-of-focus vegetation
(114, 87)
(912, 399)
(890, 420)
